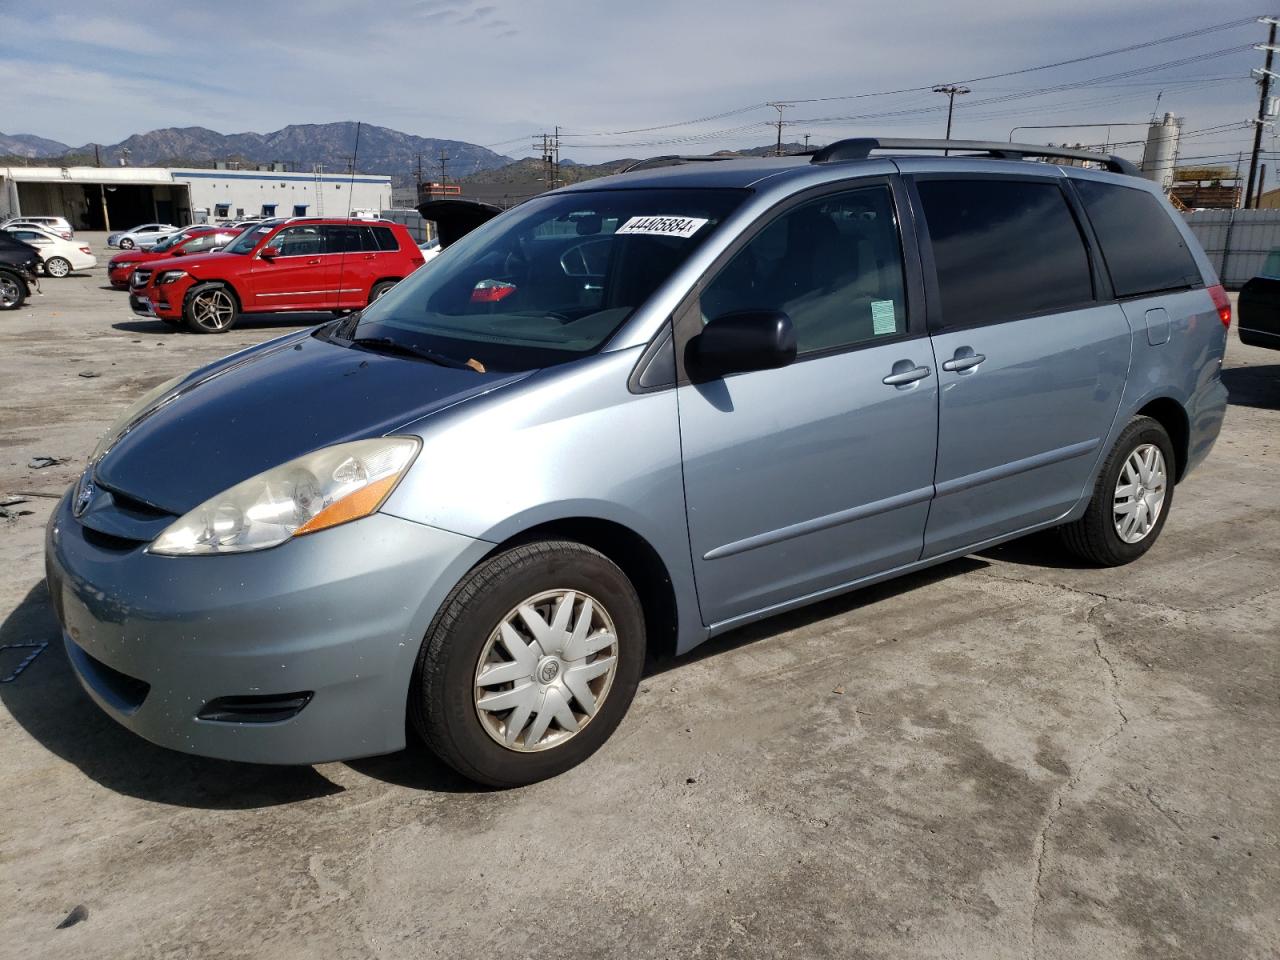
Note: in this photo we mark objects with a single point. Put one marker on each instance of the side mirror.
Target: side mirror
(268, 253)
(178, 253)
(742, 341)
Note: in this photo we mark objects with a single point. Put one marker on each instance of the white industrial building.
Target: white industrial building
(113, 198)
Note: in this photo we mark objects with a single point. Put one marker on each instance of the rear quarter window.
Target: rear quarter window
(1003, 250)
(1143, 249)
(384, 238)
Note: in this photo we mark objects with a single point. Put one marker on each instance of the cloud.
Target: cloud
(489, 70)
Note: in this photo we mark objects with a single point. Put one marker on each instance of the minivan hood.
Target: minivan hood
(240, 418)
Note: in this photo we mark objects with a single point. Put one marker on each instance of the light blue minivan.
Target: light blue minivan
(622, 418)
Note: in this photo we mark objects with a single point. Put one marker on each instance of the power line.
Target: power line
(1173, 38)
(1226, 25)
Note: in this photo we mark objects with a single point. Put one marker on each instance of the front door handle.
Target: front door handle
(964, 359)
(904, 373)
(312, 263)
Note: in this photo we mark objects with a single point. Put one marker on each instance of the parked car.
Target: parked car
(143, 235)
(430, 249)
(18, 263)
(627, 416)
(305, 264)
(59, 257)
(1259, 306)
(55, 225)
(184, 243)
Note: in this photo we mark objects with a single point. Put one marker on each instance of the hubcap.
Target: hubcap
(1140, 493)
(212, 309)
(9, 291)
(546, 670)
(58, 267)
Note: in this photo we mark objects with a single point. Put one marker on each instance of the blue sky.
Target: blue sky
(496, 72)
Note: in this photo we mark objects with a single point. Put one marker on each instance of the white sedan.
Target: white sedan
(144, 235)
(60, 256)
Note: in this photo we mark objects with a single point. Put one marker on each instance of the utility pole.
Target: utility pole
(444, 167)
(418, 182)
(806, 143)
(779, 106)
(550, 148)
(1264, 86)
(951, 90)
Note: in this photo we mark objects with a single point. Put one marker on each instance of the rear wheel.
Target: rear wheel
(379, 288)
(1131, 498)
(57, 266)
(12, 292)
(530, 664)
(210, 309)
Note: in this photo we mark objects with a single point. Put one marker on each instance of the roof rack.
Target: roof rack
(859, 148)
(675, 159)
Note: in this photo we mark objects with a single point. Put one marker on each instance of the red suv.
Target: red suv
(191, 240)
(278, 265)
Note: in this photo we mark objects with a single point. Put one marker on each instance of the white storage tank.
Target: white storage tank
(1161, 150)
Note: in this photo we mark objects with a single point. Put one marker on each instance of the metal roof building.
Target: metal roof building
(105, 198)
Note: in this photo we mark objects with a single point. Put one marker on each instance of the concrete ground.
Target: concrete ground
(1008, 756)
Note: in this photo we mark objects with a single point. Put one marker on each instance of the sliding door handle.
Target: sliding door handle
(963, 361)
(901, 377)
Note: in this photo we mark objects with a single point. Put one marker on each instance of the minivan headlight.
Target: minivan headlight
(131, 414)
(323, 489)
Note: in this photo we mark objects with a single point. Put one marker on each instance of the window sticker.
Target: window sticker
(882, 318)
(684, 227)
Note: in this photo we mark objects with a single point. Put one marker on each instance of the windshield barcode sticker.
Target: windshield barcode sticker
(663, 226)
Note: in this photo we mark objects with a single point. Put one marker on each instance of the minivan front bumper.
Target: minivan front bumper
(333, 619)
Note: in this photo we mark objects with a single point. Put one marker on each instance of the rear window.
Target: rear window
(384, 239)
(1004, 249)
(1143, 249)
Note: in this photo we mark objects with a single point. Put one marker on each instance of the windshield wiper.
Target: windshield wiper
(388, 345)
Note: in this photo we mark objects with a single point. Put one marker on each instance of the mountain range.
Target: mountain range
(381, 149)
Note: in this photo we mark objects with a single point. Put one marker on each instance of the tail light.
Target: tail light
(86, 250)
(491, 291)
(1221, 304)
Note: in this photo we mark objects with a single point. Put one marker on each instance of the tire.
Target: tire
(379, 288)
(57, 267)
(127, 244)
(446, 691)
(13, 293)
(210, 308)
(1098, 536)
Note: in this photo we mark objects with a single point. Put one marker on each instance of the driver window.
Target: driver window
(298, 242)
(834, 265)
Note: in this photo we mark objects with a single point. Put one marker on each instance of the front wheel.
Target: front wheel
(12, 292)
(1131, 498)
(210, 309)
(57, 267)
(127, 244)
(530, 664)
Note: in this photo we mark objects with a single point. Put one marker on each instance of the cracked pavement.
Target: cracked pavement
(1008, 756)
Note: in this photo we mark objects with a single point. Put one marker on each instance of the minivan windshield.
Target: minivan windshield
(548, 281)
